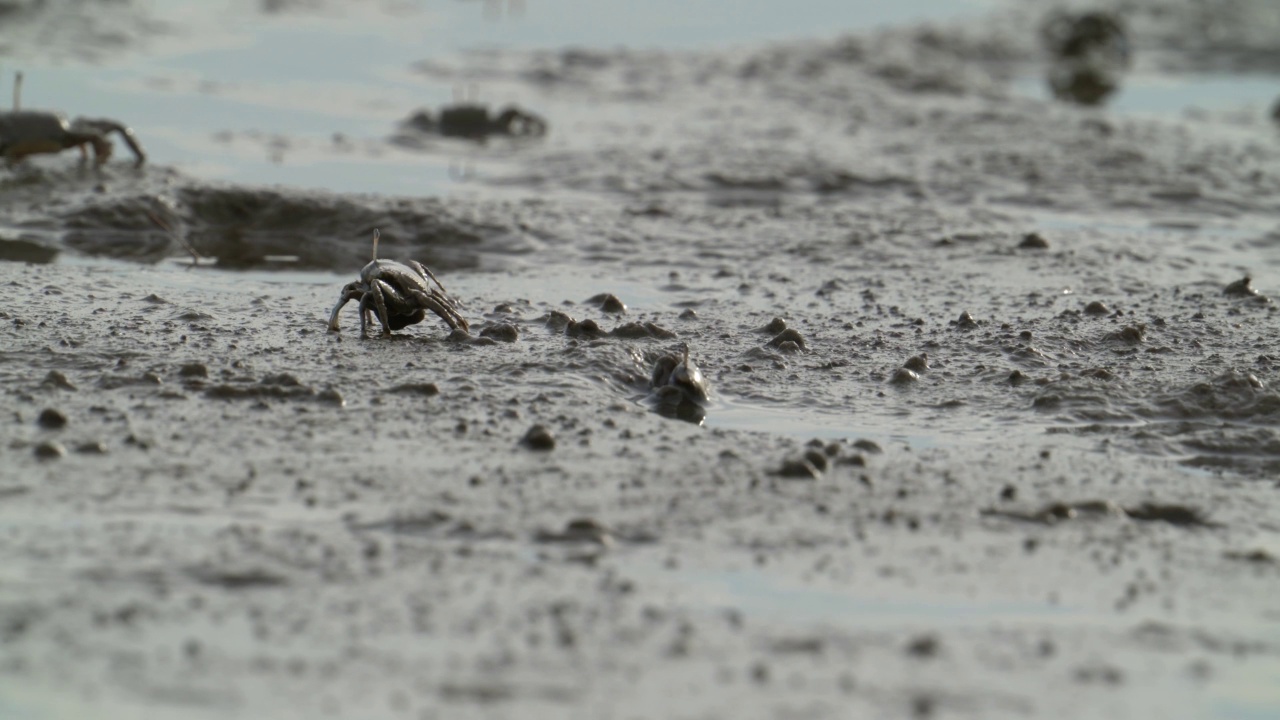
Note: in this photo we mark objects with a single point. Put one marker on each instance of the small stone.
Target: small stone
(688, 314)
(52, 419)
(50, 450)
(1097, 308)
(1017, 377)
(539, 438)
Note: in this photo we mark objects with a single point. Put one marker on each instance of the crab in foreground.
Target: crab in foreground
(31, 132)
(679, 389)
(400, 294)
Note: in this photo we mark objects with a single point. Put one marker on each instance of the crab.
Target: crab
(31, 132)
(474, 122)
(676, 377)
(1089, 52)
(400, 294)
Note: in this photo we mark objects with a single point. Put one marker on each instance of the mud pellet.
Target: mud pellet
(799, 469)
(539, 437)
(918, 363)
(1097, 308)
(93, 447)
(903, 376)
(50, 450)
(52, 419)
(1034, 241)
(194, 370)
(502, 332)
(774, 326)
(790, 335)
(56, 379)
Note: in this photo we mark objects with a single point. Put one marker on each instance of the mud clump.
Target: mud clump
(904, 376)
(502, 332)
(586, 330)
(608, 303)
(52, 419)
(917, 363)
(56, 380)
(638, 330)
(1033, 241)
(539, 438)
(965, 321)
(789, 340)
(49, 450)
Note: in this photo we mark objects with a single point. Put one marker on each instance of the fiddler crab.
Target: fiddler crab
(400, 294)
(678, 387)
(1089, 53)
(473, 121)
(31, 132)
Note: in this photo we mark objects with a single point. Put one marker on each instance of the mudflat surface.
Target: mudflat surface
(992, 433)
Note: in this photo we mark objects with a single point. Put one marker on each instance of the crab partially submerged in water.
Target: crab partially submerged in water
(678, 387)
(400, 294)
(31, 132)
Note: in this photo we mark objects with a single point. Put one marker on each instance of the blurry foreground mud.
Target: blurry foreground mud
(993, 425)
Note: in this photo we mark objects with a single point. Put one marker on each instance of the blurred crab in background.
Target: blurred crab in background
(32, 132)
(1088, 52)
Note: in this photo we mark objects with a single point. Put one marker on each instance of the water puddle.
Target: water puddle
(308, 99)
(1182, 96)
(772, 598)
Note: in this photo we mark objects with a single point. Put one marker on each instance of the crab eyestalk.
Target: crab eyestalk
(376, 235)
(17, 91)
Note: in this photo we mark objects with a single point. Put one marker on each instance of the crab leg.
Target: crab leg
(349, 293)
(377, 288)
(102, 127)
(442, 306)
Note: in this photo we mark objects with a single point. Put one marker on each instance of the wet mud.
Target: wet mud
(826, 378)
